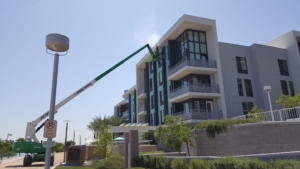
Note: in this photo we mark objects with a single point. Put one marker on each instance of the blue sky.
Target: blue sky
(101, 34)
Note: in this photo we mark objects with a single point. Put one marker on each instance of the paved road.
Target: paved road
(18, 163)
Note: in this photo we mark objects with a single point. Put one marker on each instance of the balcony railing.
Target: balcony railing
(125, 113)
(142, 108)
(188, 62)
(199, 88)
(198, 114)
(141, 91)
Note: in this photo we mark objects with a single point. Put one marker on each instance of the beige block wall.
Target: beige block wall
(245, 139)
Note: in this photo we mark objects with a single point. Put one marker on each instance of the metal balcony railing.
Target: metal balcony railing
(125, 113)
(188, 62)
(141, 91)
(199, 88)
(142, 108)
(199, 114)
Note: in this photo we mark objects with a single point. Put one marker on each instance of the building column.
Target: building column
(134, 145)
(126, 150)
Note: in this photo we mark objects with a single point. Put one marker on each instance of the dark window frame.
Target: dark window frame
(281, 64)
(239, 65)
(248, 87)
(248, 106)
(284, 87)
(240, 87)
(291, 85)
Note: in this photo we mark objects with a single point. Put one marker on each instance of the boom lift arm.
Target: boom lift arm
(30, 129)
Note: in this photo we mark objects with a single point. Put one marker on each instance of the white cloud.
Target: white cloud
(146, 31)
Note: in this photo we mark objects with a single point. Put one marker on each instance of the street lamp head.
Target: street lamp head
(57, 42)
(267, 88)
(67, 121)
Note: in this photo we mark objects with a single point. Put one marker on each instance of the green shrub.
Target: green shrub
(238, 163)
(285, 164)
(141, 161)
(214, 127)
(155, 162)
(137, 168)
(113, 162)
(198, 164)
(179, 163)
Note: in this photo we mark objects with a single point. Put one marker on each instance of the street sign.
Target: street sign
(50, 129)
(48, 144)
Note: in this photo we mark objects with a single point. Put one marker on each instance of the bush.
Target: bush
(198, 164)
(179, 163)
(113, 162)
(285, 164)
(238, 163)
(137, 168)
(214, 127)
(154, 162)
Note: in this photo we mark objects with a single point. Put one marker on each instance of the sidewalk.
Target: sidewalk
(18, 163)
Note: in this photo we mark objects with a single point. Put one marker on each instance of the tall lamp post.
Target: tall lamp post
(8, 136)
(56, 43)
(268, 89)
(67, 121)
(74, 137)
(79, 139)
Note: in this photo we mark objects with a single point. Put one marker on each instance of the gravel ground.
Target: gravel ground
(18, 163)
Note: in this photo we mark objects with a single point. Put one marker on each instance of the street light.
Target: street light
(67, 121)
(56, 43)
(79, 139)
(268, 89)
(8, 136)
(74, 137)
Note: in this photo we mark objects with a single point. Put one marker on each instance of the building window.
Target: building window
(283, 67)
(161, 98)
(284, 87)
(241, 64)
(248, 88)
(152, 102)
(151, 84)
(240, 87)
(160, 77)
(292, 88)
(247, 107)
(299, 46)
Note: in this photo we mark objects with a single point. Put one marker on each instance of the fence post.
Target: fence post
(280, 115)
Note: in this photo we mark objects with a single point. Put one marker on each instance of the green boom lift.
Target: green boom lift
(32, 147)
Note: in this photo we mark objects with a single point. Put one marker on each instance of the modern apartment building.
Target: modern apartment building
(201, 78)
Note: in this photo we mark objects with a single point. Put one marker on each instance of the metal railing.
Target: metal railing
(188, 62)
(275, 115)
(125, 113)
(141, 91)
(141, 108)
(199, 114)
(199, 88)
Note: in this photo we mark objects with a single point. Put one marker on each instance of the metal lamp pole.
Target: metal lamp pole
(56, 43)
(268, 89)
(66, 138)
(74, 137)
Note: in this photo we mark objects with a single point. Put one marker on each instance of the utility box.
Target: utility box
(76, 154)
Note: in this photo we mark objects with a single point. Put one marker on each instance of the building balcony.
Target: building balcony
(194, 91)
(188, 66)
(197, 115)
(142, 110)
(125, 113)
(141, 93)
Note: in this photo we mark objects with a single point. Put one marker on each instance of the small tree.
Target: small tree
(288, 101)
(104, 142)
(175, 133)
(20, 140)
(5, 149)
(59, 147)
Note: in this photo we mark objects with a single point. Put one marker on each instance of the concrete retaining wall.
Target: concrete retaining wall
(246, 139)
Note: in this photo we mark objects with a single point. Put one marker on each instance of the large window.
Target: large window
(151, 86)
(240, 87)
(247, 107)
(284, 87)
(248, 88)
(283, 67)
(292, 88)
(152, 102)
(191, 44)
(241, 64)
